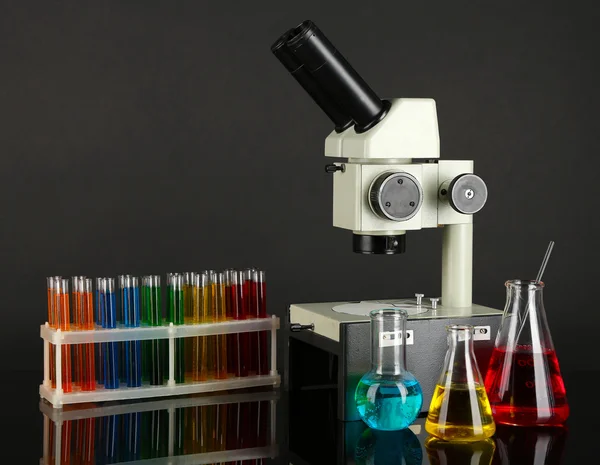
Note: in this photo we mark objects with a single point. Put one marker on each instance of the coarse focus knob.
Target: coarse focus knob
(467, 193)
(333, 168)
(395, 196)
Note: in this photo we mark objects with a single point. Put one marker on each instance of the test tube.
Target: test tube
(111, 356)
(243, 290)
(176, 316)
(249, 309)
(261, 312)
(76, 309)
(64, 324)
(131, 319)
(231, 338)
(121, 308)
(153, 314)
(220, 315)
(197, 304)
(88, 363)
(99, 348)
(51, 283)
(208, 312)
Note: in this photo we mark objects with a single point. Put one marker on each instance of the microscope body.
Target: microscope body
(388, 183)
(392, 181)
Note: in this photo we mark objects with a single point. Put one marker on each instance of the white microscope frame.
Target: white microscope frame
(407, 140)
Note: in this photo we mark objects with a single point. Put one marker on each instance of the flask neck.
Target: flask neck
(460, 365)
(524, 325)
(388, 334)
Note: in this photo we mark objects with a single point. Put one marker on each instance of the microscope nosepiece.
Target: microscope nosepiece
(335, 76)
(300, 72)
(379, 245)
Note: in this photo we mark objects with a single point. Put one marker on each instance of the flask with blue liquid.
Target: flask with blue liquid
(388, 397)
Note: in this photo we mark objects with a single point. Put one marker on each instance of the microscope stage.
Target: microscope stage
(328, 316)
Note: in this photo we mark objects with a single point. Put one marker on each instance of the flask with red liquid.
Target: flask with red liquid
(523, 381)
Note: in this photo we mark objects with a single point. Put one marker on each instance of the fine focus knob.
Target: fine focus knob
(467, 193)
(395, 196)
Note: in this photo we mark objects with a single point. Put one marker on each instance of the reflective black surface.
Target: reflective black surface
(235, 428)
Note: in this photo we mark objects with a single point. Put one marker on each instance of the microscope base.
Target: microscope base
(336, 353)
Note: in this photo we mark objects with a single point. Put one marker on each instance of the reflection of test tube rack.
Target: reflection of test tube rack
(58, 338)
(55, 421)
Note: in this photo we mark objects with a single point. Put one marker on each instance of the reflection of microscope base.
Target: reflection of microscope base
(337, 352)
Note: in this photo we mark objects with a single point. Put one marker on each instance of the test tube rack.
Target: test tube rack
(53, 418)
(57, 397)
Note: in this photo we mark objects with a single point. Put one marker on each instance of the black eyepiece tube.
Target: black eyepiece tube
(340, 119)
(335, 76)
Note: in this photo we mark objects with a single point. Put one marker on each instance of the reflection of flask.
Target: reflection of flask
(389, 448)
(530, 446)
(474, 453)
(523, 382)
(388, 397)
(459, 409)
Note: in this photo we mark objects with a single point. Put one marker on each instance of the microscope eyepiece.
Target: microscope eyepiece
(300, 72)
(335, 76)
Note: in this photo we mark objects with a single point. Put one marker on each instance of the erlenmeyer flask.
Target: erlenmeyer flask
(523, 380)
(460, 410)
(388, 397)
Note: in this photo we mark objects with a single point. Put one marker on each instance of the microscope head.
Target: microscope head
(388, 178)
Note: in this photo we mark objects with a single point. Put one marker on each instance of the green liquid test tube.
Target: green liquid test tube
(154, 364)
(176, 316)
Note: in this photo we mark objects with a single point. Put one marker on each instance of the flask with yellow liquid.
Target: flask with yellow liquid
(460, 409)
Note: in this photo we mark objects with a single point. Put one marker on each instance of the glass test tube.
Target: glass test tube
(176, 313)
(220, 315)
(61, 302)
(207, 351)
(87, 360)
(76, 308)
(248, 343)
(230, 302)
(152, 300)
(99, 321)
(197, 304)
(51, 283)
(260, 284)
(242, 341)
(121, 345)
(130, 298)
(111, 356)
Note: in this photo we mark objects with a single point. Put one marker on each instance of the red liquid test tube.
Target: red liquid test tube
(253, 313)
(234, 290)
(245, 278)
(261, 309)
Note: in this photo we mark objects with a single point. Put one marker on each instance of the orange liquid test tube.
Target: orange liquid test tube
(76, 286)
(52, 283)
(64, 323)
(87, 360)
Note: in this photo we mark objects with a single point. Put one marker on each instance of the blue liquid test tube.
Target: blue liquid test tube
(111, 354)
(131, 317)
(99, 347)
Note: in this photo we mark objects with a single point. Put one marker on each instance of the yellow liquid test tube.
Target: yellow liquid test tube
(188, 318)
(208, 343)
(197, 297)
(220, 315)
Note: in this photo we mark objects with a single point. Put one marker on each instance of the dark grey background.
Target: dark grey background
(151, 137)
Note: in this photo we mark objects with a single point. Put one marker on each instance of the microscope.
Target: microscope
(388, 179)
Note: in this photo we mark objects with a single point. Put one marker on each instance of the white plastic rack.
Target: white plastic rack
(57, 397)
(55, 419)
